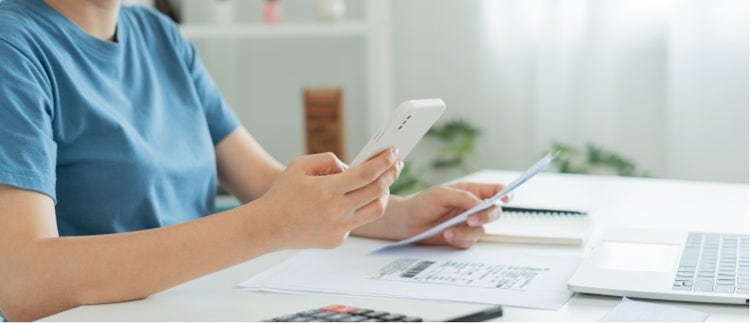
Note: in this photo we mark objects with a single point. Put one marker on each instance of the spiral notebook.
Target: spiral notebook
(539, 226)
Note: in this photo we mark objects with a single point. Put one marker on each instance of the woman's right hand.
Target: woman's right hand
(317, 201)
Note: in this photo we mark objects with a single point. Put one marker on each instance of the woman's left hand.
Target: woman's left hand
(439, 204)
(407, 217)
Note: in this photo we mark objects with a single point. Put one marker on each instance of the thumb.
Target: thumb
(320, 164)
(460, 199)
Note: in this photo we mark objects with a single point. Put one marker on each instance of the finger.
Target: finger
(486, 216)
(319, 164)
(456, 198)
(376, 189)
(371, 211)
(368, 171)
(462, 236)
(508, 198)
(338, 168)
(482, 190)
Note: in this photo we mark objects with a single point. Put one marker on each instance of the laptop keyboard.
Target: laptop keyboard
(714, 263)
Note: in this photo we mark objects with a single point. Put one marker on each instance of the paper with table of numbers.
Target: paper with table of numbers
(431, 273)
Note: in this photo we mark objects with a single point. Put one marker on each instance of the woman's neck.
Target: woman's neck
(96, 17)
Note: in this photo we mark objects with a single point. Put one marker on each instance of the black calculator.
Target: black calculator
(345, 313)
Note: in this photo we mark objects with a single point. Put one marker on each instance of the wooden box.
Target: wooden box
(324, 121)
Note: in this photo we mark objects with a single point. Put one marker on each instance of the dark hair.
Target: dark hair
(171, 8)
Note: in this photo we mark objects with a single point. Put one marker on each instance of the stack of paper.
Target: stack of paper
(429, 273)
(539, 228)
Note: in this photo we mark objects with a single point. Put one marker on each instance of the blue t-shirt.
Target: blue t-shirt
(120, 135)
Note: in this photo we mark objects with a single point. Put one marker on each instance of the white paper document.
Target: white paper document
(537, 168)
(634, 311)
(429, 273)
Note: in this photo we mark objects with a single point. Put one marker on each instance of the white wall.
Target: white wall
(707, 122)
(664, 82)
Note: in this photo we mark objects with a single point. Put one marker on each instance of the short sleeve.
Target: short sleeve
(221, 119)
(28, 152)
(219, 115)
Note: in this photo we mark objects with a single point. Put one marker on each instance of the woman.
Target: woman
(112, 139)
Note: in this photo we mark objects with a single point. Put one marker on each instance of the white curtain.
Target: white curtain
(664, 82)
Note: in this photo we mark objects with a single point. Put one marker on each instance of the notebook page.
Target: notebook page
(546, 228)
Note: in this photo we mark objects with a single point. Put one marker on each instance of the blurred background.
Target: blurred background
(623, 87)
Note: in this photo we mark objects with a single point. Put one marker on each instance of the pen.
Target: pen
(538, 210)
(483, 315)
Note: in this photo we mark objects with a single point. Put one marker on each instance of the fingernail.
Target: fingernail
(400, 164)
(448, 235)
(473, 221)
(395, 151)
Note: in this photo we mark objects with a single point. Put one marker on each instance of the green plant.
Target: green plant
(457, 139)
(592, 159)
(408, 181)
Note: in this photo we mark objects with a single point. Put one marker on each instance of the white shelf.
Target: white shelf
(295, 30)
(374, 28)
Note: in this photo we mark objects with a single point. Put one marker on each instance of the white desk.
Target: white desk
(613, 201)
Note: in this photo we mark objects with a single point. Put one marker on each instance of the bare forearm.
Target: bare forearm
(41, 274)
(54, 274)
(384, 227)
(245, 168)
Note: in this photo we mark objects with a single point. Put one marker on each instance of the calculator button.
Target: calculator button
(391, 317)
(345, 313)
(323, 315)
(285, 318)
(358, 318)
(340, 309)
(339, 317)
(376, 314)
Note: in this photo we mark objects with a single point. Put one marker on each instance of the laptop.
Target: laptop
(669, 265)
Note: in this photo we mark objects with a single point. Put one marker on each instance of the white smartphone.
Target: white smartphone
(403, 129)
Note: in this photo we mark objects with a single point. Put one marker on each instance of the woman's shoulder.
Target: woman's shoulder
(147, 15)
(153, 24)
(17, 25)
(24, 39)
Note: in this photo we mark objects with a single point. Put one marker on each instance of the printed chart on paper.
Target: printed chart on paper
(478, 275)
(460, 273)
